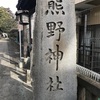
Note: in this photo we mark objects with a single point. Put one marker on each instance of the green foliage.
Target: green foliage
(7, 21)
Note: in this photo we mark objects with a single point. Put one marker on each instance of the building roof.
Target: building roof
(87, 4)
(26, 5)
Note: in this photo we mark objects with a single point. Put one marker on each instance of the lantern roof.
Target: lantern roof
(26, 5)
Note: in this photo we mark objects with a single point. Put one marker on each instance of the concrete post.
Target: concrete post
(54, 70)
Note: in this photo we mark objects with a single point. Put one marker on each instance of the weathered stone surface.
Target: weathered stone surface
(54, 70)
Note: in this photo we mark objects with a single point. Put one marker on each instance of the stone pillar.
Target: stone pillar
(54, 70)
(25, 40)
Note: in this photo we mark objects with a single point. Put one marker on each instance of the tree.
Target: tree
(7, 21)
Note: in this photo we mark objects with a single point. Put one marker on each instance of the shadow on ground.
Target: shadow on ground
(11, 87)
(13, 84)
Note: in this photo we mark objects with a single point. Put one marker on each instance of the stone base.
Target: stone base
(21, 65)
(26, 60)
(28, 76)
(26, 63)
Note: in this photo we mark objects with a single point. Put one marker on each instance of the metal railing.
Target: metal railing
(89, 73)
(89, 54)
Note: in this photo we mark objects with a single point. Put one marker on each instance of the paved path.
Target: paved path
(12, 79)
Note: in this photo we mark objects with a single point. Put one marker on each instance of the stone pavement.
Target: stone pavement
(13, 84)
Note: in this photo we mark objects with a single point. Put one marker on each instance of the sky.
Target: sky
(9, 4)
